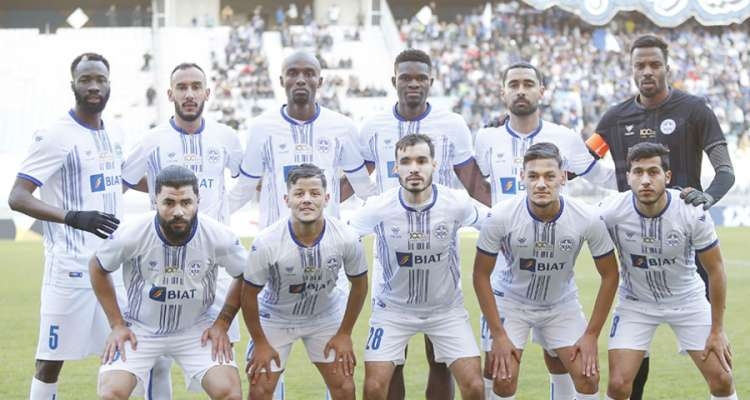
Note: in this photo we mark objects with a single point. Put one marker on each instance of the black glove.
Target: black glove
(499, 121)
(99, 223)
(696, 198)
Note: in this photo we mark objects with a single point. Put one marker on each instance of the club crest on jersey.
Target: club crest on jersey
(441, 231)
(629, 130)
(508, 185)
(566, 244)
(395, 232)
(333, 263)
(195, 268)
(648, 133)
(213, 156)
(674, 238)
(667, 126)
(324, 145)
(99, 182)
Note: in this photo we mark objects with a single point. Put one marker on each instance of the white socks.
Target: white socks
(733, 396)
(280, 392)
(42, 391)
(561, 387)
(487, 388)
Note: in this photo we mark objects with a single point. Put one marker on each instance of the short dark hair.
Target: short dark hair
(413, 139)
(524, 64)
(651, 41)
(87, 57)
(175, 176)
(303, 171)
(542, 151)
(186, 65)
(413, 55)
(647, 150)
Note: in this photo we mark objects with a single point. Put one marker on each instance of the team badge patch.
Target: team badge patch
(213, 156)
(441, 232)
(324, 145)
(333, 263)
(667, 126)
(567, 244)
(674, 238)
(195, 268)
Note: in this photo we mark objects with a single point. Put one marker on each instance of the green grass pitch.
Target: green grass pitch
(672, 376)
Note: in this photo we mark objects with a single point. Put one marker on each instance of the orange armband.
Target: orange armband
(597, 144)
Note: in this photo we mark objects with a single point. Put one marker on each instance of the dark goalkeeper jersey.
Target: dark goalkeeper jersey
(684, 123)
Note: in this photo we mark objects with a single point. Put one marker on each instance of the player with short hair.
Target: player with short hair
(290, 290)
(682, 122)
(170, 260)
(205, 147)
(540, 236)
(452, 139)
(657, 239)
(75, 162)
(500, 151)
(419, 291)
(301, 131)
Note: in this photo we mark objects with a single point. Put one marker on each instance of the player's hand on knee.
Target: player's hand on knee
(696, 197)
(221, 346)
(260, 362)
(589, 351)
(99, 223)
(502, 355)
(114, 347)
(718, 343)
(341, 345)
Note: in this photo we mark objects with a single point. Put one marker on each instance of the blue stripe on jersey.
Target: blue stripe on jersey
(349, 171)
(208, 283)
(135, 288)
(384, 255)
(709, 247)
(273, 199)
(454, 265)
(373, 143)
(72, 198)
(445, 166)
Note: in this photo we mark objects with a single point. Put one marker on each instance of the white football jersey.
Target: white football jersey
(500, 151)
(76, 167)
(276, 143)
(448, 131)
(299, 282)
(212, 149)
(170, 288)
(657, 255)
(417, 250)
(540, 256)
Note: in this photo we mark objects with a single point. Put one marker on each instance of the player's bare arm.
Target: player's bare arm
(717, 342)
(101, 282)
(341, 343)
(221, 346)
(263, 353)
(471, 177)
(606, 266)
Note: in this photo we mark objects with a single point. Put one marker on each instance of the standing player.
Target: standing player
(682, 122)
(453, 154)
(540, 236)
(290, 290)
(170, 262)
(76, 162)
(416, 226)
(300, 132)
(500, 151)
(206, 148)
(658, 238)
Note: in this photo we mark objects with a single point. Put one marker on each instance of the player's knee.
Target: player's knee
(48, 371)
(112, 392)
(227, 392)
(343, 389)
(585, 384)
(472, 389)
(721, 383)
(505, 388)
(618, 387)
(375, 388)
(260, 392)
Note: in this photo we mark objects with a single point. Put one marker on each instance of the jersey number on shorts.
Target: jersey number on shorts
(53, 338)
(373, 342)
(615, 321)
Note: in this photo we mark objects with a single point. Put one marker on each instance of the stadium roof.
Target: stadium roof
(665, 13)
